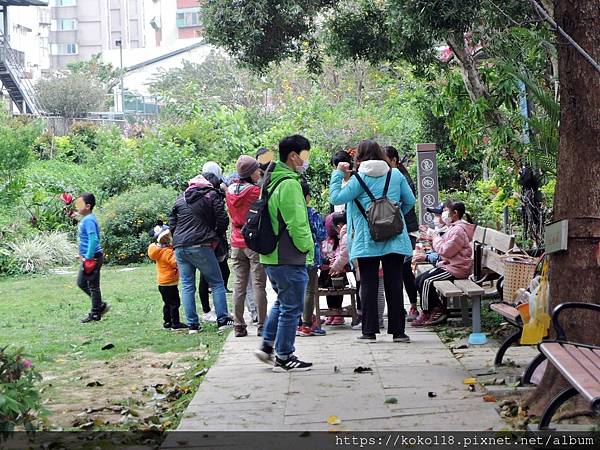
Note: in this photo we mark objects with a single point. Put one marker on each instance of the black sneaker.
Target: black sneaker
(265, 354)
(292, 364)
(366, 338)
(167, 326)
(401, 338)
(194, 329)
(179, 327)
(91, 318)
(104, 308)
(259, 332)
(225, 323)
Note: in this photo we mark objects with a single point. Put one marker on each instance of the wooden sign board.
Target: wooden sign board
(557, 236)
(427, 176)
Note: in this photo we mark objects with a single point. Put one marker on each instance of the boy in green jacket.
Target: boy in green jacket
(286, 266)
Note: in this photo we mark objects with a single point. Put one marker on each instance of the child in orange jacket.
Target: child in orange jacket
(167, 276)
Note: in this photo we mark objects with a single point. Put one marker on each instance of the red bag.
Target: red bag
(88, 266)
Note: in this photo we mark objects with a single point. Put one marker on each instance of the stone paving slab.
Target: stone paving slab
(242, 393)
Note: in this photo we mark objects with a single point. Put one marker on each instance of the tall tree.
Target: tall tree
(574, 274)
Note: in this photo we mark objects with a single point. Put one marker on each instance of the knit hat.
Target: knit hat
(213, 167)
(160, 231)
(246, 166)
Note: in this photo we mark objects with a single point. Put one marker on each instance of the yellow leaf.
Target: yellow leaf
(470, 381)
(333, 420)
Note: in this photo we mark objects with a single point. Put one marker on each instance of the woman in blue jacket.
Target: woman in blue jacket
(373, 169)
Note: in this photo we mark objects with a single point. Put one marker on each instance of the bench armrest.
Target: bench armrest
(560, 332)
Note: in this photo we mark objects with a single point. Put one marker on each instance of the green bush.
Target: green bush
(39, 253)
(126, 219)
(20, 400)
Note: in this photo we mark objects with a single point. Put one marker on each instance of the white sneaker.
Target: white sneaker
(209, 317)
(358, 326)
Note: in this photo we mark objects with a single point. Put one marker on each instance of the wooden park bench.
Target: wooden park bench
(346, 311)
(578, 363)
(488, 248)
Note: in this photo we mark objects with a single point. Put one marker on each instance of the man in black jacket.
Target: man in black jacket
(197, 221)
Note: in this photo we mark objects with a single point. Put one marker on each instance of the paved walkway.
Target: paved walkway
(241, 393)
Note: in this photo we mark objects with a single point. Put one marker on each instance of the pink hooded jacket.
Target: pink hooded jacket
(455, 249)
(342, 257)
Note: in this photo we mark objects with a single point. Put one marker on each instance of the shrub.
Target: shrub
(20, 401)
(126, 219)
(40, 252)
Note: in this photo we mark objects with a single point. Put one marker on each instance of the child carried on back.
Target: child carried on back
(167, 276)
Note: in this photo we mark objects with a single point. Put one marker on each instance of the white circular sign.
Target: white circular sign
(428, 217)
(427, 182)
(427, 165)
(428, 200)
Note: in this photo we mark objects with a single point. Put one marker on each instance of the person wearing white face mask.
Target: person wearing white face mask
(454, 249)
(286, 265)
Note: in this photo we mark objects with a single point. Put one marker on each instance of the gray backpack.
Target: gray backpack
(383, 216)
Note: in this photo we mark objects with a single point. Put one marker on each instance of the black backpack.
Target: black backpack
(258, 230)
(383, 216)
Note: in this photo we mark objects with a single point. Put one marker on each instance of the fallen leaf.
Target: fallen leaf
(431, 394)
(242, 397)
(108, 346)
(391, 400)
(472, 387)
(201, 372)
(333, 420)
(95, 384)
(336, 369)
(489, 398)
(361, 369)
(459, 355)
(470, 381)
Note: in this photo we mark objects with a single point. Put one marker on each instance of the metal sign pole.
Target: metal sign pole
(427, 176)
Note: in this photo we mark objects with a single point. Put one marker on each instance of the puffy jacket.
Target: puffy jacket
(360, 243)
(295, 246)
(319, 234)
(166, 264)
(342, 256)
(455, 250)
(198, 216)
(240, 197)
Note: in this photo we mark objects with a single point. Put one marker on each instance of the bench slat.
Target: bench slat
(500, 241)
(586, 383)
(587, 359)
(492, 260)
(447, 288)
(422, 268)
(479, 234)
(507, 311)
(469, 288)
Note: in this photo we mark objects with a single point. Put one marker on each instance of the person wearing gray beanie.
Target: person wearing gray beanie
(246, 166)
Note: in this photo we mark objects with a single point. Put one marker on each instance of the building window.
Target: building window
(188, 17)
(64, 49)
(64, 24)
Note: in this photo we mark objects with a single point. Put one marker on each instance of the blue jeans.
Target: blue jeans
(289, 282)
(188, 260)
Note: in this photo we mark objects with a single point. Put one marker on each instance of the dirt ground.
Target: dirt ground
(127, 393)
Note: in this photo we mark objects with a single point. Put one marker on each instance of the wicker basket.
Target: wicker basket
(518, 273)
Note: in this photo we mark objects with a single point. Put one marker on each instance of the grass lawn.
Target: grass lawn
(149, 372)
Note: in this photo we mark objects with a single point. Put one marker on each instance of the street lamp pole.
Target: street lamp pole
(119, 43)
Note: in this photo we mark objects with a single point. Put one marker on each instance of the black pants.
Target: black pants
(408, 276)
(369, 285)
(429, 296)
(203, 285)
(333, 301)
(170, 298)
(90, 284)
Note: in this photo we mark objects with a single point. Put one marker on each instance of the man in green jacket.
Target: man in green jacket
(286, 266)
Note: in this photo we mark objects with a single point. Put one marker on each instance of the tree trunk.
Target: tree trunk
(575, 274)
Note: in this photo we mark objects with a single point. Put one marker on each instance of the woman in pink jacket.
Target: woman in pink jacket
(456, 262)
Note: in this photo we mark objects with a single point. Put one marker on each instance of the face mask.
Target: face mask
(446, 217)
(303, 168)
